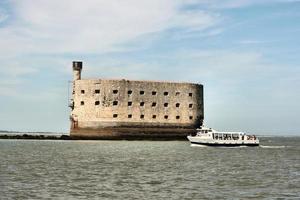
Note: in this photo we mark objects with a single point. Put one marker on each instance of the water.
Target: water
(33, 169)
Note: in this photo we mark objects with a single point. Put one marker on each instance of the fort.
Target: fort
(130, 109)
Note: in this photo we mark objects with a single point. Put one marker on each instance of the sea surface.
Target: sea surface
(54, 169)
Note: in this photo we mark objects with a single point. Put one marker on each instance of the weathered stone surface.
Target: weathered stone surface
(126, 108)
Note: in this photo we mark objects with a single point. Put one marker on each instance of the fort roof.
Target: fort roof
(149, 81)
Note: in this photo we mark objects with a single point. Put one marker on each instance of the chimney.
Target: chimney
(77, 67)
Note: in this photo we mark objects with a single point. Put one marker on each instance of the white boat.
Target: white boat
(211, 137)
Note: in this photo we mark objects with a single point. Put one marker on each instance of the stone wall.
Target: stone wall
(114, 107)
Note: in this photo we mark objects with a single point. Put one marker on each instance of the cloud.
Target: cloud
(3, 16)
(94, 26)
(74, 27)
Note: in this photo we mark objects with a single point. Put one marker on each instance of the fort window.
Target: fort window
(190, 94)
(115, 103)
(177, 93)
(166, 93)
(154, 116)
(177, 105)
(130, 116)
(153, 104)
(166, 104)
(130, 103)
(154, 92)
(177, 117)
(142, 116)
(115, 91)
(190, 105)
(142, 103)
(129, 92)
(115, 115)
(82, 91)
(166, 116)
(97, 103)
(97, 91)
(142, 92)
(82, 103)
(191, 117)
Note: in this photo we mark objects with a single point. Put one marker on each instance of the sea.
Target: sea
(69, 169)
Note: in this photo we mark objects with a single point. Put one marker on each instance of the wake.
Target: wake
(272, 147)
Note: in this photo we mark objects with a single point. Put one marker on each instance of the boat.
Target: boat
(210, 137)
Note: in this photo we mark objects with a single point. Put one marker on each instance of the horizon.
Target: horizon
(244, 52)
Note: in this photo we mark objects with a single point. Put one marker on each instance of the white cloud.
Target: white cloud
(93, 26)
(3, 16)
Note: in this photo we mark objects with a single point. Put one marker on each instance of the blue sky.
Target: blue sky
(245, 52)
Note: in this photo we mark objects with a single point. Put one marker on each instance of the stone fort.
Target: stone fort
(130, 109)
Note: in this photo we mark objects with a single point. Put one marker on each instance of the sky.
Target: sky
(246, 53)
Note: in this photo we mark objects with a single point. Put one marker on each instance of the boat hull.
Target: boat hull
(225, 145)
